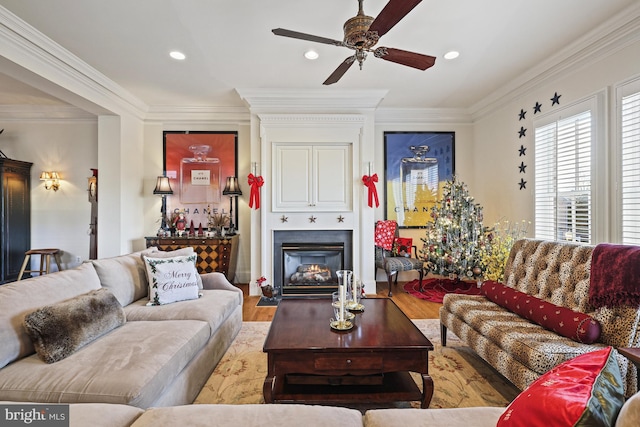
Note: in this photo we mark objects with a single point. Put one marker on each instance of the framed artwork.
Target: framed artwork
(197, 164)
(416, 166)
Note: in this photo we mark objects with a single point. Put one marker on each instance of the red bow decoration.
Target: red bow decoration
(255, 182)
(370, 182)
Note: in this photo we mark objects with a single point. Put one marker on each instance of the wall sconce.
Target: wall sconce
(163, 188)
(232, 189)
(51, 180)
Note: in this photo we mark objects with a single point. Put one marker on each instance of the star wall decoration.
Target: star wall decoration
(537, 108)
(522, 114)
(340, 218)
(284, 219)
(522, 132)
(523, 151)
(312, 219)
(522, 167)
(523, 184)
(556, 99)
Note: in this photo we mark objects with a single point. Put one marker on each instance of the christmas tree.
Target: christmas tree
(455, 234)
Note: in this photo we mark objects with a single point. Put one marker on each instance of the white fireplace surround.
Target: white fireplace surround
(355, 130)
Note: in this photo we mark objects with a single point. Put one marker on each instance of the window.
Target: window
(630, 164)
(563, 175)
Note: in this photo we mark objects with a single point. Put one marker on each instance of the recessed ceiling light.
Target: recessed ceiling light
(451, 55)
(311, 54)
(177, 55)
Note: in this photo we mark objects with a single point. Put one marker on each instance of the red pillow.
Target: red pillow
(402, 246)
(385, 234)
(584, 391)
(578, 326)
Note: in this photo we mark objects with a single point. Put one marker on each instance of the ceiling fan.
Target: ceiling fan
(362, 32)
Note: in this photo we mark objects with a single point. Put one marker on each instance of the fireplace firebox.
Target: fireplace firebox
(310, 268)
(312, 258)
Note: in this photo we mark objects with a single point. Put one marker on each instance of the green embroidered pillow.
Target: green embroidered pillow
(172, 279)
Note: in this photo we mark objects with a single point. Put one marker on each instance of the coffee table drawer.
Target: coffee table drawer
(350, 362)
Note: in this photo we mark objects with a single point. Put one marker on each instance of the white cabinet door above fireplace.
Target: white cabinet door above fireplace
(312, 177)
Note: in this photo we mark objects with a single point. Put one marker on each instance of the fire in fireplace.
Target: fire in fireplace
(310, 268)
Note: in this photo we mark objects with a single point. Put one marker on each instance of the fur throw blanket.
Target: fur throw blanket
(57, 331)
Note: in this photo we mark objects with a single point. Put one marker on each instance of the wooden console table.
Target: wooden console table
(213, 254)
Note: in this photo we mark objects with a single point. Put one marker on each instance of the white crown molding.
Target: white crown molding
(310, 100)
(423, 116)
(198, 114)
(310, 119)
(44, 113)
(32, 50)
(608, 38)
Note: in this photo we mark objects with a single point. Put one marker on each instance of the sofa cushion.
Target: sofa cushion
(538, 348)
(454, 417)
(578, 326)
(172, 279)
(102, 415)
(213, 307)
(553, 271)
(134, 365)
(17, 299)
(86, 414)
(254, 415)
(59, 330)
(584, 391)
(124, 275)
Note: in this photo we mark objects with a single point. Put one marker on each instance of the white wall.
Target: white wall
(496, 138)
(58, 219)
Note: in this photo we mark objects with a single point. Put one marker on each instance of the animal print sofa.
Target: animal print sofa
(522, 350)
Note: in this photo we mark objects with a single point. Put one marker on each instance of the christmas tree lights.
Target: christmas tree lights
(455, 235)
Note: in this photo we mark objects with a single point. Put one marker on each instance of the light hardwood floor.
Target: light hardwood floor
(413, 307)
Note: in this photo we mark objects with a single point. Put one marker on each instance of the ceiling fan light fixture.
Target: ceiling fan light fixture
(362, 33)
(452, 54)
(311, 54)
(177, 55)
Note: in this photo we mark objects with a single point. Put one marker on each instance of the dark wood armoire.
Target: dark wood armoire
(15, 216)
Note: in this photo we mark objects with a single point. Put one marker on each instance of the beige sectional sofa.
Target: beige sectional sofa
(285, 415)
(522, 350)
(161, 355)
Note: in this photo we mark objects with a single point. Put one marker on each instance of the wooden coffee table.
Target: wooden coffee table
(371, 363)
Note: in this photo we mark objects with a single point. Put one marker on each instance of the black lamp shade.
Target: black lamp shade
(232, 188)
(163, 187)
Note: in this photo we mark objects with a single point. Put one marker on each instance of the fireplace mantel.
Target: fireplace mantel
(352, 129)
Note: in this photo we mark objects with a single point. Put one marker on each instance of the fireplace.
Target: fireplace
(310, 268)
(306, 261)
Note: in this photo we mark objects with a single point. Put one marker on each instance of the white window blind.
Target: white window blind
(563, 179)
(630, 167)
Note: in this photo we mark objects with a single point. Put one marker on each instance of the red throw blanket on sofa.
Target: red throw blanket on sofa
(615, 276)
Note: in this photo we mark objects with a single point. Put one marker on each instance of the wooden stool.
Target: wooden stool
(45, 261)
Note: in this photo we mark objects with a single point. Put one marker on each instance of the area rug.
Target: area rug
(461, 378)
(435, 289)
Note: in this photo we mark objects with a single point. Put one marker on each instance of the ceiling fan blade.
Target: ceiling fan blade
(303, 36)
(391, 14)
(410, 59)
(339, 72)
